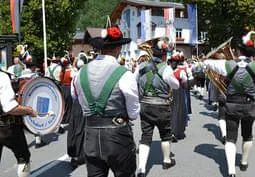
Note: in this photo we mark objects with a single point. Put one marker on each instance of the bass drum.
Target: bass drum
(44, 96)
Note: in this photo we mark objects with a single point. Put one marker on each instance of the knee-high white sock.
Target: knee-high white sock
(223, 127)
(246, 148)
(143, 157)
(166, 149)
(202, 91)
(230, 150)
(24, 170)
(37, 139)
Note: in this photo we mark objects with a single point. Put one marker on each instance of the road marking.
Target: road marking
(49, 166)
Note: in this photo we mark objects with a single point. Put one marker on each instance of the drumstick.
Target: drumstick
(44, 114)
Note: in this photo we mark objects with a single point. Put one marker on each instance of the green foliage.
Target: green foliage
(226, 18)
(5, 19)
(61, 17)
(95, 13)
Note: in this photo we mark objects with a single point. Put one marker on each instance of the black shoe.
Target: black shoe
(74, 163)
(38, 145)
(232, 175)
(200, 97)
(141, 175)
(174, 139)
(61, 130)
(223, 140)
(243, 167)
(168, 165)
(215, 107)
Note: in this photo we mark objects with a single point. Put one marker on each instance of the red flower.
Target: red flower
(114, 32)
(249, 43)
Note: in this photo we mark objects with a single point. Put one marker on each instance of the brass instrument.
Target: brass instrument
(146, 46)
(223, 51)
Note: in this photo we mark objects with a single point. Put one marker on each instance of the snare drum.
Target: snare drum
(44, 96)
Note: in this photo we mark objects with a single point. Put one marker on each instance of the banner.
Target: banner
(169, 21)
(192, 18)
(15, 8)
(145, 25)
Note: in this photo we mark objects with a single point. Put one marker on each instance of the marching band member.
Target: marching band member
(75, 132)
(156, 78)
(108, 96)
(54, 69)
(11, 126)
(16, 68)
(240, 100)
(66, 75)
(180, 108)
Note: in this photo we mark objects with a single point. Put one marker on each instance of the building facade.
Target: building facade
(127, 15)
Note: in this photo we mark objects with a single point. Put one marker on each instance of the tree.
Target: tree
(95, 13)
(61, 18)
(224, 18)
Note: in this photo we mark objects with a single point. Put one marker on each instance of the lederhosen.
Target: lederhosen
(108, 141)
(12, 136)
(155, 103)
(240, 105)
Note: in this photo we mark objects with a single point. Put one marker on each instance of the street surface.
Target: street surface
(200, 154)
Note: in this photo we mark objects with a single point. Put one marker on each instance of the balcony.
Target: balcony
(179, 39)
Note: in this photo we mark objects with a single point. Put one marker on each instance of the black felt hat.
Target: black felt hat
(110, 36)
(246, 44)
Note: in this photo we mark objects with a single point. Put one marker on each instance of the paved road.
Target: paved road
(200, 154)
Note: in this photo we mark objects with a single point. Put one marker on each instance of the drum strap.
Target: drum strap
(98, 105)
(52, 71)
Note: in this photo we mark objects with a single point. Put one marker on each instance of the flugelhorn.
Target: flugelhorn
(223, 51)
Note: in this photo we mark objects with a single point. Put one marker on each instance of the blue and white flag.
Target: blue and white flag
(192, 18)
(145, 25)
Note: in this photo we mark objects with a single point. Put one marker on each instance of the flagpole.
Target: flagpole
(44, 37)
(19, 24)
(196, 29)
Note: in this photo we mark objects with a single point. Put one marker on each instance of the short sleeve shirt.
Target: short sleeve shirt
(7, 95)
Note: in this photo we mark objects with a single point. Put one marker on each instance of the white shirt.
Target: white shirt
(127, 85)
(7, 95)
(216, 65)
(56, 72)
(169, 78)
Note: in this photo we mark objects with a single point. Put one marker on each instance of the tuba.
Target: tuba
(223, 51)
(146, 46)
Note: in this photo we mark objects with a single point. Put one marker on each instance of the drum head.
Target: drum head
(44, 96)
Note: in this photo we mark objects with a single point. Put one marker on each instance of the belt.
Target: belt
(239, 99)
(105, 122)
(8, 120)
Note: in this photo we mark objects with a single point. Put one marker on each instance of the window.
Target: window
(138, 12)
(126, 18)
(139, 29)
(178, 33)
(203, 36)
(153, 29)
(157, 12)
(181, 14)
(138, 26)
